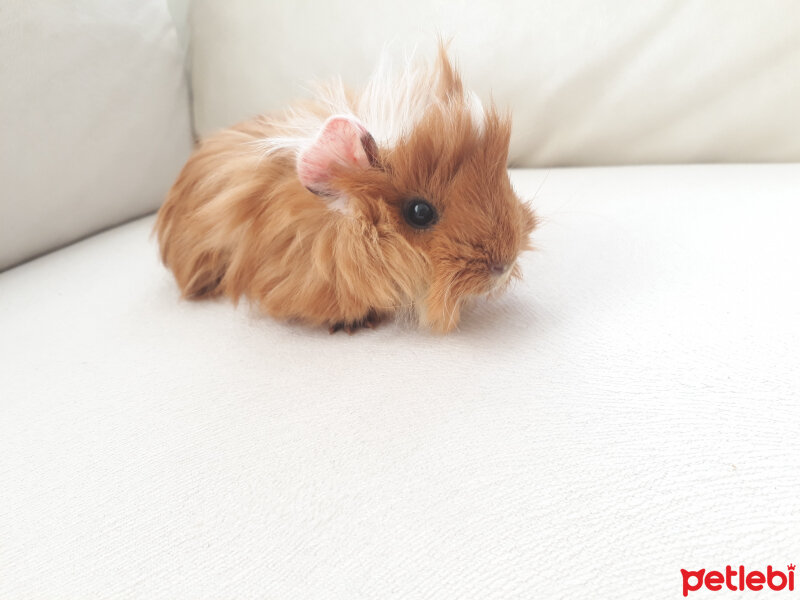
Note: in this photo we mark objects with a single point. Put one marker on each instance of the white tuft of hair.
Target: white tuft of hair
(392, 102)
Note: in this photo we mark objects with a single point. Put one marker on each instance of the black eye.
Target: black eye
(419, 213)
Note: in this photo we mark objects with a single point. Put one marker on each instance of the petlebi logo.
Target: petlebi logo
(739, 579)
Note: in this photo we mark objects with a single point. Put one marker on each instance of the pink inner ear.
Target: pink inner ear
(341, 141)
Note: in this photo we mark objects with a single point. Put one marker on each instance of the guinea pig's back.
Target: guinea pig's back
(231, 198)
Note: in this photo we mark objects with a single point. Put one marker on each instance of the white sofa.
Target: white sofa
(630, 409)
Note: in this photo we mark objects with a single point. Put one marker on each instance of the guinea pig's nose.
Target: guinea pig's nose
(499, 268)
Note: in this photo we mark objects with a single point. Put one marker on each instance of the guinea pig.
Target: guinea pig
(351, 207)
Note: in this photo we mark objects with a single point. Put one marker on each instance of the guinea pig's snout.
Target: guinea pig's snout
(499, 268)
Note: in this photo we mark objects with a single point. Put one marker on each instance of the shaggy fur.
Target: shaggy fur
(239, 222)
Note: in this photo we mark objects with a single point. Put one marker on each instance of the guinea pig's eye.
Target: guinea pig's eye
(419, 213)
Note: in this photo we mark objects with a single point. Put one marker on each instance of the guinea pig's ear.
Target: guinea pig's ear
(342, 142)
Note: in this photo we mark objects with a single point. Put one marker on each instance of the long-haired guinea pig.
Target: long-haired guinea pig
(353, 206)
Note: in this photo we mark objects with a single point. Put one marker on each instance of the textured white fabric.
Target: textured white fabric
(630, 409)
(94, 118)
(604, 82)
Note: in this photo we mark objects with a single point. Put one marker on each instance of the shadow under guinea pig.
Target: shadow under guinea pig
(500, 318)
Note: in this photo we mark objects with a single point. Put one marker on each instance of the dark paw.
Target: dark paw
(370, 321)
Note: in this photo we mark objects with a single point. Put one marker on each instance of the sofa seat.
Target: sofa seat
(630, 408)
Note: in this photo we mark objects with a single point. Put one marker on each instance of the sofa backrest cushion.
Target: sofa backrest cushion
(603, 82)
(94, 118)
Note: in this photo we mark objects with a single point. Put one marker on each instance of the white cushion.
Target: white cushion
(604, 82)
(628, 410)
(95, 118)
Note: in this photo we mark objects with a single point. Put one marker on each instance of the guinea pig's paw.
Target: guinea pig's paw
(371, 320)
